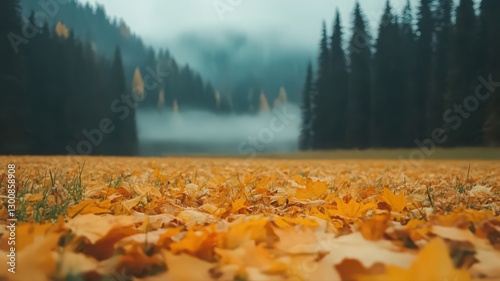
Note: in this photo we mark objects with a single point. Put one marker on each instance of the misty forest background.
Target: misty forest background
(79, 67)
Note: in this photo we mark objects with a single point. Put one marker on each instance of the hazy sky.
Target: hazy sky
(296, 22)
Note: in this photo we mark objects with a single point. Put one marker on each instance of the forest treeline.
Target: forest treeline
(428, 80)
(72, 79)
(68, 90)
(183, 87)
(57, 93)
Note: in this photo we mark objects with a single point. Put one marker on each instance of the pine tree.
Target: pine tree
(408, 69)
(210, 100)
(172, 84)
(38, 57)
(463, 80)
(12, 40)
(490, 67)
(387, 95)
(339, 88)
(358, 118)
(150, 93)
(14, 138)
(322, 100)
(423, 67)
(124, 138)
(60, 86)
(197, 100)
(185, 93)
(307, 111)
(117, 75)
(443, 28)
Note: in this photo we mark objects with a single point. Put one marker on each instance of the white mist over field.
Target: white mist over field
(166, 132)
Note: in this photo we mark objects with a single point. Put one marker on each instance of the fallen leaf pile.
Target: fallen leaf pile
(96, 218)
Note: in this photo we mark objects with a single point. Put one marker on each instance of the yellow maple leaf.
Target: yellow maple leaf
(191, 242)
(352, 209)
(159, 177)
(89, 206)
(34, 262)
(284, 222)
(27, 234)
(432, 263)
(213, 210)
(95, 227)
(461, 216)
(183, 268)
(373, 229)
(397, 202)
(313, 191)
(238, 205)
(251, 255)
(240, 232)
(317, 213)
(131, 203)
(299, 179)
(418, 229)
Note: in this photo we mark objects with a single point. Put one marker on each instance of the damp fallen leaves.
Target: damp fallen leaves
(220, 219)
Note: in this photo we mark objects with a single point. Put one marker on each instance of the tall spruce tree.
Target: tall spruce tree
(13, 93)
(339, 87)
(387, 93)
(357, 133)
(307, 111)
(38, 56)
(124, 138)
(408, 69)
(209, 99)
(443, 27)
(322, 121)
(423, 66)
(464, 123)
(490, 67)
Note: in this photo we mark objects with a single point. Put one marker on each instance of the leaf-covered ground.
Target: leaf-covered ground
(205, 219)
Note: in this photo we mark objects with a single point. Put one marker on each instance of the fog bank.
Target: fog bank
(193, 132)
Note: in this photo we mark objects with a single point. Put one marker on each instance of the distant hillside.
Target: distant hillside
(92, 24)
(239, 79)
(235, 62)
(95, 26)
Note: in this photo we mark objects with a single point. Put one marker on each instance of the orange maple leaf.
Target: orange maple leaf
(352, 209)
(432, 263)
(238, 205)
(191, 242)
(89, 206)
(313, 191)
(397, 202)
(373, 229)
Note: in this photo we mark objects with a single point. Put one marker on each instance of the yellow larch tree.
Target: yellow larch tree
(161, 99)
(264, 105)
(138, 83)
(62, 31)
(282, 98)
